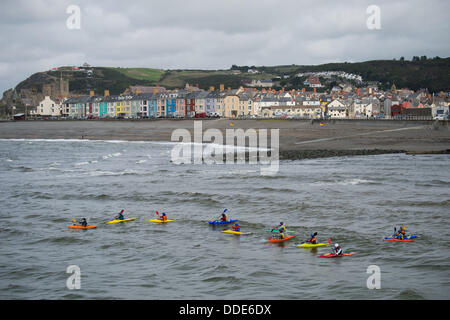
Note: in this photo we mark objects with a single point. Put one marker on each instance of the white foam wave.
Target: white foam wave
(171, 143)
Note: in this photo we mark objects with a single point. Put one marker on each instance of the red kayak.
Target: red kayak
(81, 227)
(333, 255)
(398, 240)
(279, 240)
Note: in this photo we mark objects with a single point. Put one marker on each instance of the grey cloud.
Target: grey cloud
(213, 34)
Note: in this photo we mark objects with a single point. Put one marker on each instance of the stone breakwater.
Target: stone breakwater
(311, 154)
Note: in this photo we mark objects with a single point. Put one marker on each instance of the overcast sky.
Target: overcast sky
(210, 34)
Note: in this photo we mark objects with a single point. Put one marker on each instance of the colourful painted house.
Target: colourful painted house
(171, 105)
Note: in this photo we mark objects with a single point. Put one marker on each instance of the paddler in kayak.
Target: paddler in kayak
(83, 222)
(223, 217)
(312, 239)
(236, 227)
(401, 233)
(120, 216)
(337, 249)
(281, 229)
(163, 217)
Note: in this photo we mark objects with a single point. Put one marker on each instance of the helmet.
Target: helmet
(336, 245)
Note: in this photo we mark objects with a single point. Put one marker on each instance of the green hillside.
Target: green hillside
(152, 75)
(433, 74)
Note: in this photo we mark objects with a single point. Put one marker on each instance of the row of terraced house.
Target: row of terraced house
(176, 104)
(180, 103)
(242, 102)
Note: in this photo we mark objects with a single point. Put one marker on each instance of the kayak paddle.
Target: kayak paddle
(329, 242)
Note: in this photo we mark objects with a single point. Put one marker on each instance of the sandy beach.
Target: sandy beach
(298, 138)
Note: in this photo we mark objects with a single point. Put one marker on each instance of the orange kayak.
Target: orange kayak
(81, 227)
(279, 240)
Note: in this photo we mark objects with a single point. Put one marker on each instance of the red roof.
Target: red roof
(407, 104)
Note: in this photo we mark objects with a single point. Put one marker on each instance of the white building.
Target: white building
(48, 107)
(336, 109)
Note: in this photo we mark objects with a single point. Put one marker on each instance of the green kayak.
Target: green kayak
(276, 231)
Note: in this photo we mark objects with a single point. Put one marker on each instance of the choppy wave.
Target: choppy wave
(353, 203)
(344, 182)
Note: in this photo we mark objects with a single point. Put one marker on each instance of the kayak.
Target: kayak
(118, 221)
(159, 221)
(275, 231)
(398, 240)
(279, 240)
(222, 222)
(311, 245)
(81, 227)
(234, 232)
(404, 238)
(333, 255)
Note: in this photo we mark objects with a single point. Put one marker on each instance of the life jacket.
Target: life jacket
(164, 218)
(313, 240)
(224, 218)
(236, 228)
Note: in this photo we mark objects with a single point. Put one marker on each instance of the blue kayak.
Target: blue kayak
(404, 238)
(222, 222)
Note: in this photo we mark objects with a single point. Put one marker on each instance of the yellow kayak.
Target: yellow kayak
(118, 221)
(310, 245)
(159, 221)
(235, 232)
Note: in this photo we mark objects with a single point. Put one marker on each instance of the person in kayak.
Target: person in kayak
(83, 222)
(312, 239)
(236, 227)
(223, 217)
(120, 216)
(281, 229)
(401, 233)
(337, 249)
(163, 216)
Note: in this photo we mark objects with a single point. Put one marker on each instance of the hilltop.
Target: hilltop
(433, 74)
